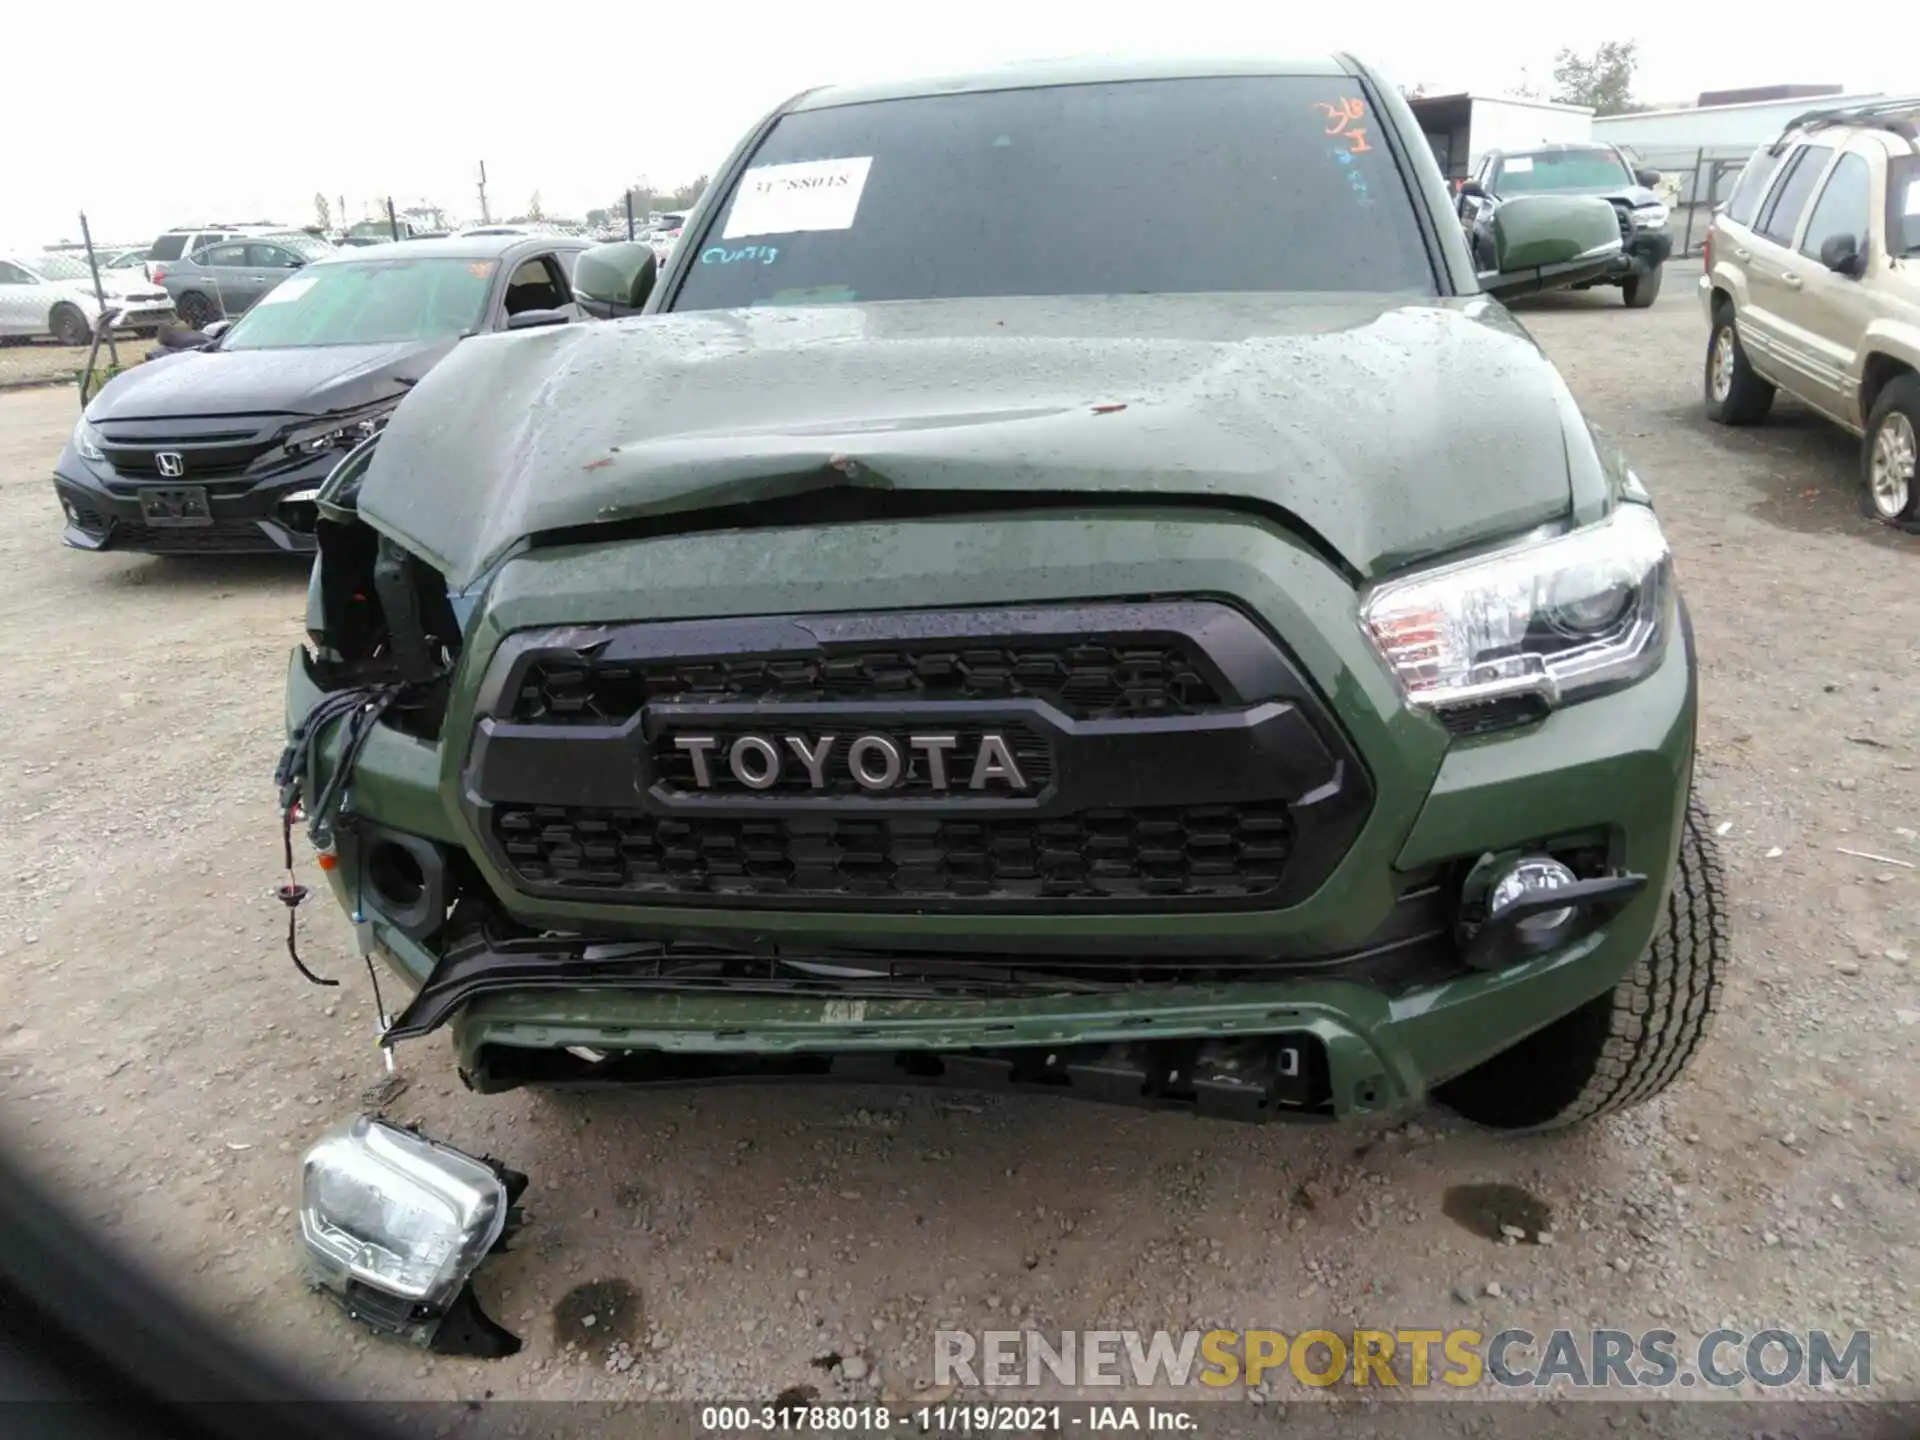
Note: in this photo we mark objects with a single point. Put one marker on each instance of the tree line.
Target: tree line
(1601, 80)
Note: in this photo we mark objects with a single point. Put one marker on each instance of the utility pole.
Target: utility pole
(486, 218)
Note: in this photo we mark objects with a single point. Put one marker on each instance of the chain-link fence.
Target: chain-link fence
(1694, 179)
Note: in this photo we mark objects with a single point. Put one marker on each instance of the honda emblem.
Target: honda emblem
(170, 464)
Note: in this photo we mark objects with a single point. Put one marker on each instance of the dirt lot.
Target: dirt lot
(161, 1059)
(41, 362)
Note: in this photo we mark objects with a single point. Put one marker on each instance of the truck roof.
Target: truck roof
(1033, 74)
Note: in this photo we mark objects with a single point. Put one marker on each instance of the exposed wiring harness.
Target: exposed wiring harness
(357, 710)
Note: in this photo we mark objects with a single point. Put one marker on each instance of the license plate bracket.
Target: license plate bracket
(175, 505)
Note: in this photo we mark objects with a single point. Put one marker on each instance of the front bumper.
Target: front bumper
(103, 511)
(1648, 251)
(1617, 765)
(141, 315)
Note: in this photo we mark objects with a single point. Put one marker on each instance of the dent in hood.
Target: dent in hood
(1390, 429)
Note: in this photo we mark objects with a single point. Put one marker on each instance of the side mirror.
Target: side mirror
(615, 279)
(1472, 189)
(216, 329)
(1548, 242)
(1841, 254)
(534, 319)
(1646, 175)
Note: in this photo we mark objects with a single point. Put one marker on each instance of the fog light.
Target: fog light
(394, 1224)
(1529, 878)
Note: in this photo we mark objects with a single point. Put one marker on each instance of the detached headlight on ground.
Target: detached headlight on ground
(394, 1225)
(1559, 619)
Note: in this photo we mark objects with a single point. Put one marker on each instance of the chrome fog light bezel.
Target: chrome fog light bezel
(1530, 876)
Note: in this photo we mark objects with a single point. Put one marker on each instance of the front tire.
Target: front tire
(69, 326)
(1887, 454)
(1631, 1043)
(195, 310)
(1640, 291)
(1735, 394)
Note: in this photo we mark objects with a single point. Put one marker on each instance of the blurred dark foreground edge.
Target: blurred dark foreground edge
(91, 1347)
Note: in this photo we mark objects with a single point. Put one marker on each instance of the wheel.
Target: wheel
(69, 325)
(195, 310)
(1735, 395)
(1640, 291)
(1629, 1044)
(1887, 453)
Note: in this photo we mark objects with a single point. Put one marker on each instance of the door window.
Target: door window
(272, 257)
(1752, 187)
(536, 284)
(1843, 207)
(1781, 217)
(13, 275)
(168, 247)
(234, 255)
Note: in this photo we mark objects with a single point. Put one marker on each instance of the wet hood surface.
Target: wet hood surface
(312, 380)
(1387, 428)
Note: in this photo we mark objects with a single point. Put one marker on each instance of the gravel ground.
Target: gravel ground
(162, 1062)
(41, 362)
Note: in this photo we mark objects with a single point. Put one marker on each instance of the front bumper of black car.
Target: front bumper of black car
(230, 515)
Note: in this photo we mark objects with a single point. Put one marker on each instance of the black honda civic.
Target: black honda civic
(219, 448)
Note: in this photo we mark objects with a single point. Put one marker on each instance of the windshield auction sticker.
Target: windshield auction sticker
(806, 195)
(288, 290)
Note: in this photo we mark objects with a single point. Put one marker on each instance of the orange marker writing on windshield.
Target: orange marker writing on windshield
(1342, 114)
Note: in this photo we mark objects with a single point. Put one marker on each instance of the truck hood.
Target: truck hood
(314, 380)
(1384, 429)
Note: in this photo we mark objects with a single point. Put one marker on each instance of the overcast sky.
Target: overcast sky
(361, 99)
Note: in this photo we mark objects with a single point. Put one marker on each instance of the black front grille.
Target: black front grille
(1169, 754)
(1087, 680)
(1174, 852)
(131, 447)
(223, 536)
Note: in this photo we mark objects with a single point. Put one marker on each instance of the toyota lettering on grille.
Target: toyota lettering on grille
(876, 762)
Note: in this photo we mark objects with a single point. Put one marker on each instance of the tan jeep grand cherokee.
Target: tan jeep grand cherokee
(1812, 286)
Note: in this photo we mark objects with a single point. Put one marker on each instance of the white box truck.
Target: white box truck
(1462, 128)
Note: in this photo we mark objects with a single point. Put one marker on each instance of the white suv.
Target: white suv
(1812, 286)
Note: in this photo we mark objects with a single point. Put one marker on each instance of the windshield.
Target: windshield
(62, 267)
(371, 302)
(1048, 191)
(1547, 171)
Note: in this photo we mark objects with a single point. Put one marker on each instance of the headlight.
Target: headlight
(1558, 618)
(1651, 216)
(335, 434)
(397, 1212)
(86, 443)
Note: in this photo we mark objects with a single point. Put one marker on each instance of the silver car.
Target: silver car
(221, 281)
(54, 295)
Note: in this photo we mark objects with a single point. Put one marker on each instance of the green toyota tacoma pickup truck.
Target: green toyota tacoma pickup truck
(947, 634)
